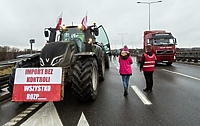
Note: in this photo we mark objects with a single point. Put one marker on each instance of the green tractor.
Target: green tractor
(82, 53)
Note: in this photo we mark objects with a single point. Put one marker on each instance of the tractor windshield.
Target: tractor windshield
(72, 33)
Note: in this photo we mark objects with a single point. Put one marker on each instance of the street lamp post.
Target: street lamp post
(31, 42)
(149, 3)
(122, 37)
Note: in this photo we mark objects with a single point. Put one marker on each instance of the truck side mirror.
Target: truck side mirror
(175, 42)
(108, 45)
(96, 31)
(46, 33)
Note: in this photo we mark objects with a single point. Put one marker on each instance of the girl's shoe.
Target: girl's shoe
(125, 93)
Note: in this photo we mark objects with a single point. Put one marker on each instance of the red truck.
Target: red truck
(163, 45)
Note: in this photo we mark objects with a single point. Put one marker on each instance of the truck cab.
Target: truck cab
(163, 45)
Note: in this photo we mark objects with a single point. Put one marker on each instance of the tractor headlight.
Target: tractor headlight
(80, 26)
(63, 27)
(90, 41)
(56, 60)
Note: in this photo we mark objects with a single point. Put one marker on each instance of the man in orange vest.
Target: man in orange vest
(147, 65)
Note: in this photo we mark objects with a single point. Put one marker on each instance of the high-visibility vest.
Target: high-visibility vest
(149, 63)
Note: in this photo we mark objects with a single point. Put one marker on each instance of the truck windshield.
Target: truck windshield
(163, 41)
(71, 34)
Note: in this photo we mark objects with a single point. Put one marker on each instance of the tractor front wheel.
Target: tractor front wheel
(85, 79)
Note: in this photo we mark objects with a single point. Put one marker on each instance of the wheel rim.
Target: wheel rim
(103, 68)
(94, 78)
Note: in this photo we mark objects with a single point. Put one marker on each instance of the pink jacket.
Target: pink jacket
(125, 65)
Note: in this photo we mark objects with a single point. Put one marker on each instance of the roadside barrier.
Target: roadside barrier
(188, 56)
(5, 71)
(3, 81)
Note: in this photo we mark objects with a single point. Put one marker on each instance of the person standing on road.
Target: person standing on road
(125, 69)
(147, 65)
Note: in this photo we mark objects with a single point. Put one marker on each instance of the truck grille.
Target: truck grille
(165, 58)
(164, 51)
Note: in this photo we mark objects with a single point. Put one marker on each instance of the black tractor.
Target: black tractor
(82, 53)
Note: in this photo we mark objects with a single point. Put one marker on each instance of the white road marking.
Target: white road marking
(116, 65)
(22, 115)
(144, 99)
(46, 116)
(82, 121)
(118, 68)
(182, 74)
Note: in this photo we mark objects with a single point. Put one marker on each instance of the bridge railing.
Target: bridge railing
(5, 71)
(188, 55)
(4, 81)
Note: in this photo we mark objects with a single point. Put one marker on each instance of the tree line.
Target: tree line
(7, 52)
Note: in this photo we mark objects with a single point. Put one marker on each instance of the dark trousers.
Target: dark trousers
(149, 79)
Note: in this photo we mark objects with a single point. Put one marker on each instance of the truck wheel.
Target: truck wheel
(107, 61)
(169, 64)
(85, 79)
(21, 64)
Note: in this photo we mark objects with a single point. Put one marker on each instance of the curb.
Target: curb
(191, 63)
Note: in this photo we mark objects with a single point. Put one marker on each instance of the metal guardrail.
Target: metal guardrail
(4, 93)
(5, 70)
(189, 56)
(10, 63)
(4, 81)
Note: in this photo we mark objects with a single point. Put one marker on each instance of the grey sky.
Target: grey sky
(21, 20)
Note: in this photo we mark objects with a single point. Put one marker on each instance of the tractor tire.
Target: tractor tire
(22, 64)
(107, 61)
(102, 67)
(85, 79)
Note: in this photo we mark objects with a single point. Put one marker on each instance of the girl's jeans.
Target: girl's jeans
(125, 80)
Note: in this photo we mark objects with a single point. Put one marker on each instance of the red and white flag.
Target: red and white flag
(84, 22)
(59, 21)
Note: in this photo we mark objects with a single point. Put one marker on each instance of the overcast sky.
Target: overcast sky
(22, 20)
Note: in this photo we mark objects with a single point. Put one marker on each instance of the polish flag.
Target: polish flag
(59, 21)
(84, 22)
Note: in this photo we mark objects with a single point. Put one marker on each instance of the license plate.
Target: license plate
(165, 61)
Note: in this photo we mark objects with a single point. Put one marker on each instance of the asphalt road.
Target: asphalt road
(173, 102)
